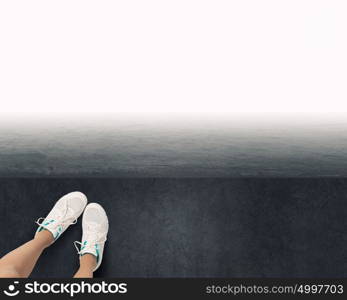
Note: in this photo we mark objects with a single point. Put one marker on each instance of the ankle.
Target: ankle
(45, 238)
(88, 262)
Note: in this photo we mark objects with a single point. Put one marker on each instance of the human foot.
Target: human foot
(95, 228)
(63, 214)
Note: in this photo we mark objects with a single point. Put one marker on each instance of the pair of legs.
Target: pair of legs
(20, 262)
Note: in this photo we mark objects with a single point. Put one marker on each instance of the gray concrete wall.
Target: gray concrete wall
(174, 146)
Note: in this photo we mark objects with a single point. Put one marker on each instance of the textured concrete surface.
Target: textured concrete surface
(121, 146)
(192, 227)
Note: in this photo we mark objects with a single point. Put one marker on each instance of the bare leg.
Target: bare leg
(87, 265)
(21, 261)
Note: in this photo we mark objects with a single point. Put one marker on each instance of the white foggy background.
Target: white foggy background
(184, 57)
(173, 88)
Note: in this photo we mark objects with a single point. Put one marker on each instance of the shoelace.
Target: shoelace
(62, 214)
(92, 236)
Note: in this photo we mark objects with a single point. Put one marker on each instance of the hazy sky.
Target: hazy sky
(178, 56)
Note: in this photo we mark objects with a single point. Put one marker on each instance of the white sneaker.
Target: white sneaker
(64, 213)
(95, 228)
